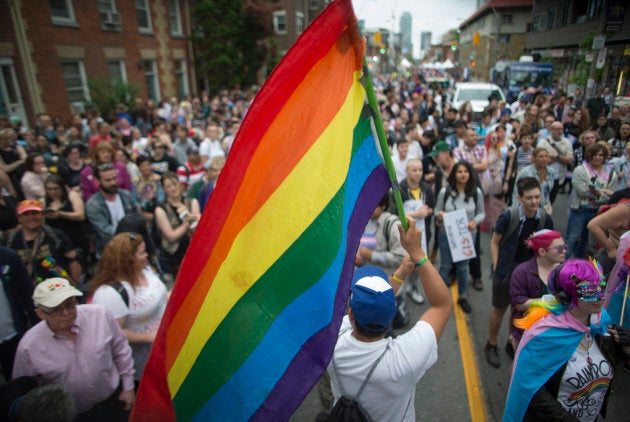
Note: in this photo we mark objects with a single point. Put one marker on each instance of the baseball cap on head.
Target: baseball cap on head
(53, 292)
(29, 205)
(440, 146)
(372, 302)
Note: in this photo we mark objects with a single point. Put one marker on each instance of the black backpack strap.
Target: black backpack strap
(512, 225)
(365, 381)
(118, 286)
(369, 375)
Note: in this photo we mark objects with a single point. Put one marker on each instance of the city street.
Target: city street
(461, 385)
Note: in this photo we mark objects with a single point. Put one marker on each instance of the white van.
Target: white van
(477, 93)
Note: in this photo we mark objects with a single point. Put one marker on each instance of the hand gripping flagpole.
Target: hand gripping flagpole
(382, 139)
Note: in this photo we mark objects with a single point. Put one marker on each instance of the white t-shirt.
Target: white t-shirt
(146, 306)
(116, 210)
(584, 385)
(211, 149)
(391, 391)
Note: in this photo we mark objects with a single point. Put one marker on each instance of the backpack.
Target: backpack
(515, 221)
(349, 409)
(116, 285)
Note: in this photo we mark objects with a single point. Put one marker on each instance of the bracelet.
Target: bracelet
(421, 262)
(397, 280)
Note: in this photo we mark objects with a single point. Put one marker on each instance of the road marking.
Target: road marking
(476, 399)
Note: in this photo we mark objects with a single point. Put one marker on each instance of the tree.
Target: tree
(230, 40)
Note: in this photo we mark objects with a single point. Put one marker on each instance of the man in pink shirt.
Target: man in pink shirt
(80, 347)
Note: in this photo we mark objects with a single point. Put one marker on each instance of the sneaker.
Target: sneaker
(463, 303)
(509, 349)
(414, 294)
(492, 355)
(477, 284)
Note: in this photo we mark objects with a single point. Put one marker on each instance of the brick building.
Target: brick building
(496, 31)
(49, 50)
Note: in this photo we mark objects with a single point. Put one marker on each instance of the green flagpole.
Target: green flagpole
(382, 139)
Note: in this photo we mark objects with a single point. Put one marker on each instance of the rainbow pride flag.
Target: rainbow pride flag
(254, 316)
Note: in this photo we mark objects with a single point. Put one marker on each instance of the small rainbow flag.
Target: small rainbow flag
(254, 316)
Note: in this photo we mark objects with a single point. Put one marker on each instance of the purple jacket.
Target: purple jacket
(525, 284)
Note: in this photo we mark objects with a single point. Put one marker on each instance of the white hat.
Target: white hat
(53, 292)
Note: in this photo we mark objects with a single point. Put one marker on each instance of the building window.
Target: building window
(299, 22)
(507, 19)
(143, 14)
(595, 9)
(76, 83)
(313, 4)
(539, 23)
(62, 12)
(504, 38)
(181, 77)
(550, 18)
(563, 15)
(280, 22)
(579, 11)
(117, 71)
(175, 18)
(151, 79)
(110, 18)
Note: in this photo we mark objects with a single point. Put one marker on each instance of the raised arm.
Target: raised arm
(437, 293)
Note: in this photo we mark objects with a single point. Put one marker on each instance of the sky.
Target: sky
(437, 16)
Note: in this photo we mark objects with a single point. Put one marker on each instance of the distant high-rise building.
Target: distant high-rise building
(425, 41)
(405, 33)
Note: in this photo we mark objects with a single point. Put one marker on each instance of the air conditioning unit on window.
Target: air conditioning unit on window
(110, 18)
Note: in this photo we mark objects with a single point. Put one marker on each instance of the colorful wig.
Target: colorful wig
(563, 281)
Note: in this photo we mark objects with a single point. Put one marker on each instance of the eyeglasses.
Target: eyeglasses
(558, 249)
(68, 305)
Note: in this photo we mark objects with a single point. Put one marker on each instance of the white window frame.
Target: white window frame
(109, 7)
(78, 105)
(181, 76)
(156, 79)
(70, 20)
(276, 22)
(299, 22)
(123, 69)
(176, 17)
(146, 9)
(16, 107)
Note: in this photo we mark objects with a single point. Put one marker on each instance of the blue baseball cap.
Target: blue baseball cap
(373, 302)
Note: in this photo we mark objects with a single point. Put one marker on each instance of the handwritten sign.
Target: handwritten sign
(411, 206)
(460, 240)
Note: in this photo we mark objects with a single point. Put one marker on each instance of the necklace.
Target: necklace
(587, 345)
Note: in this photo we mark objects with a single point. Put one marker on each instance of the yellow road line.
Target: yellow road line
(476, 400)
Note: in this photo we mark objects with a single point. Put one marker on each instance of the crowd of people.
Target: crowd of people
(101, 209)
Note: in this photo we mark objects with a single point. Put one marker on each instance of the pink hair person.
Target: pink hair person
(542, 239)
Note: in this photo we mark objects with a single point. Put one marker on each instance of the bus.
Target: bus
(514, 77)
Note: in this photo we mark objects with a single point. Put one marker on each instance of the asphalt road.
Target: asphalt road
(461, 385)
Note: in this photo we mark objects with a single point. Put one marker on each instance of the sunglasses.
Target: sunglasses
(558, 249)
(587, 292)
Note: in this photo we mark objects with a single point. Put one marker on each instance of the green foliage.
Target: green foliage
(229, 40)
(107, 94)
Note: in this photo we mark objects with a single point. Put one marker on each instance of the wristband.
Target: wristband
(397, 280)
(421, 262)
